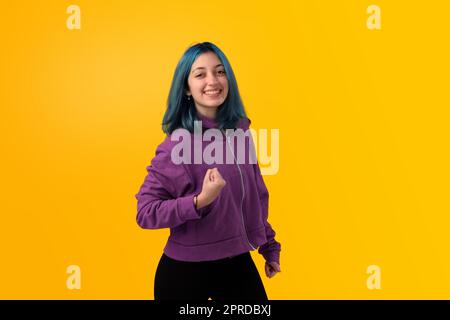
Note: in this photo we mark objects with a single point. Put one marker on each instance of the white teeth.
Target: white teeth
(212, 92)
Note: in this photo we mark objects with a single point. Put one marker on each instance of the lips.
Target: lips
(212, 93)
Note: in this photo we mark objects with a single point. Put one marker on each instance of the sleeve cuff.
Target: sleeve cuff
(273, 256)
(186, 208)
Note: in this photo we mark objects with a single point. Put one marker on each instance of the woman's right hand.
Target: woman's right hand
(212, 185)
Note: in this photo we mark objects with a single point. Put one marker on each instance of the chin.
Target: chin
(214, 104)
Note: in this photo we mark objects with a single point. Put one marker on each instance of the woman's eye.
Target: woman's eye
(220, 72)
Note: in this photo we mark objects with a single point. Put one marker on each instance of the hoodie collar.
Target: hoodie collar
(208, 123)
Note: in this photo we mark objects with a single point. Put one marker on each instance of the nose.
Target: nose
(212, 79)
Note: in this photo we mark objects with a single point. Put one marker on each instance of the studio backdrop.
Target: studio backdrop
(351, 96)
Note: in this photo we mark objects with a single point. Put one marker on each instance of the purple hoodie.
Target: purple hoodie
(234, 223)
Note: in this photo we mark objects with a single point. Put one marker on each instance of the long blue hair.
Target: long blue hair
(181, 112)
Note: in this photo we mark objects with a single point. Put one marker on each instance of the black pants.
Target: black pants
(235, 278)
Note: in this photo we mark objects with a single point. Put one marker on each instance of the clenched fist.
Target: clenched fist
(212, 184)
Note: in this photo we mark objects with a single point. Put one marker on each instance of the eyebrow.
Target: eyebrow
(205, 68)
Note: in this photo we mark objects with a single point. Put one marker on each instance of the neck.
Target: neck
(207, 112)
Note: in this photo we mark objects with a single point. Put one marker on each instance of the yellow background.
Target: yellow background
(364, 138)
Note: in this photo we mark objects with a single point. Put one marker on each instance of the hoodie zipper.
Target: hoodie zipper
(243, 192)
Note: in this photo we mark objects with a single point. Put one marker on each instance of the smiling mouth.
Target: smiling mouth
(212, 93)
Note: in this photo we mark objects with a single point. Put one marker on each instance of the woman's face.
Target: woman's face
(208, 84)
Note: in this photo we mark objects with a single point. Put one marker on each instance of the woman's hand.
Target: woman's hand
(212, 185)
(272, 268)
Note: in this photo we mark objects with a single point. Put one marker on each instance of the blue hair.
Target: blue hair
(181, 112)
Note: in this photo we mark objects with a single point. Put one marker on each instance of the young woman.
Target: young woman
(216, 211)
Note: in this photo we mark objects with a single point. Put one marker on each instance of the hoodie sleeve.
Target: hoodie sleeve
(271, 249)
(163, 200)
